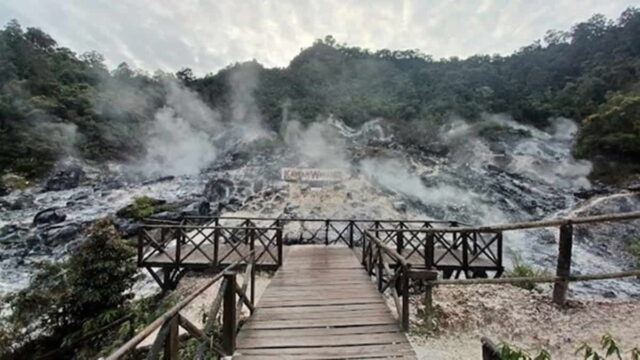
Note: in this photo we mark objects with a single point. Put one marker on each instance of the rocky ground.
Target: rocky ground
(522, 318)
(527, 175)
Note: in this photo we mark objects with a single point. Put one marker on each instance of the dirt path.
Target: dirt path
(526, 319)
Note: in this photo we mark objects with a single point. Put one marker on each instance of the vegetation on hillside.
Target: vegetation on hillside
(69, 299)
(54, 102)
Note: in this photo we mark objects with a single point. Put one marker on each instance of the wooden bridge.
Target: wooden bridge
(169, 250)
(322, 304)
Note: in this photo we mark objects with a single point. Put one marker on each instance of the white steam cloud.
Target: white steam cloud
(318, 144)
(180, 139)
(245, 113)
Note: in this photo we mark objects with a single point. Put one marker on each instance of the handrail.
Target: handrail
(540, 224)
(205, 227)
(315, 219)
(538, 279)
(394, 254)
(171, 313)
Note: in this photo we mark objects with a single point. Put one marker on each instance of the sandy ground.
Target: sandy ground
(526, 319)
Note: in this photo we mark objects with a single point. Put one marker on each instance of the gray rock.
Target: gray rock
(218, 189)
(57, 235)
(67, 178)
(126, 227)
(400, 206)
(197, 208)
(49, 216)
(20, 202)
(634, 187)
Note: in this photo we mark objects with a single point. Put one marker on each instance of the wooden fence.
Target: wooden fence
(230, 300)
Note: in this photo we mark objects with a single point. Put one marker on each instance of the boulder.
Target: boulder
(126, 227)
(20, 202)
(49, 216)
(58, 235)
(159, 180)
(218, 189)
(634, 187)
(67, 178)
(197, 208)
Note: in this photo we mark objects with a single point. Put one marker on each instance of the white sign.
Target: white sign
(322, 175)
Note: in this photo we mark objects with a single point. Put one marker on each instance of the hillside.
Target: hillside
(55, 103)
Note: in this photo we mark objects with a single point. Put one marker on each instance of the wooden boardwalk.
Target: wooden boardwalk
(322, 305)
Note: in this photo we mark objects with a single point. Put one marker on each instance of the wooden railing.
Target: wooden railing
(393, 273)
(321, 231)
(473, 253)
(230, 300)
(565, 247)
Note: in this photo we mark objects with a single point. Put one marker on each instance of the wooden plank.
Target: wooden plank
(322, 305)
(334, 340)
(267, 333)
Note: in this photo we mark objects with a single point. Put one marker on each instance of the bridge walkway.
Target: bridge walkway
(322, 305)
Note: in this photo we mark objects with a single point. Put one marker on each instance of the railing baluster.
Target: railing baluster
(229, 316)
(171, 344)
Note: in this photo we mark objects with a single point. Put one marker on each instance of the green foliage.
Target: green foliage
(608, 345)
(614, 129)
(142, 207)
(67, 299)
(589, 72)
(634, 248)
(522, 269)
(510, 352)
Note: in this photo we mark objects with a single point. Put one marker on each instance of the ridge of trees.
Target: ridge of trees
(52, 97)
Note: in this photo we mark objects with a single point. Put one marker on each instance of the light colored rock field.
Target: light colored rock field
(526, 319)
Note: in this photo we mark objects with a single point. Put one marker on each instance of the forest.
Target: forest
(52, 97)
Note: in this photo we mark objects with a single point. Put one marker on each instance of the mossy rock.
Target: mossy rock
(14, 182)
(142, 207)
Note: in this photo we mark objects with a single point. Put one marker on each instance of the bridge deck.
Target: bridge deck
(322, 305)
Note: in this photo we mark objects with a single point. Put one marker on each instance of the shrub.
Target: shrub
(634, 248)
(142, 207)
(522, 269)
(92, 284)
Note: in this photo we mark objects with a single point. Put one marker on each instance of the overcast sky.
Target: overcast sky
(208, 35)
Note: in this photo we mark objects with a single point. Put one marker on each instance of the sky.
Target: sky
(209, 35)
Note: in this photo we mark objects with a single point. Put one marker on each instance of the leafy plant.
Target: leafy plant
(522, 269)
(142, 207)
(510, 352)
(67, 299)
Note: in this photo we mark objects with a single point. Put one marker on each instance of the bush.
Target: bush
(522, 269)
(142, 207)
(63, 298)
(634, 248)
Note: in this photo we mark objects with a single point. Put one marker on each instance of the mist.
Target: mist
(180, 140)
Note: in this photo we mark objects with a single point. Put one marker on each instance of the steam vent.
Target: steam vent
(218, 180)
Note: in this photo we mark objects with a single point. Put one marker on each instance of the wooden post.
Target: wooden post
(364, 249)
(229, 315)
(171, 344)
(216, 241)
(563, 269)
(489, 350)
(140, 246)
(405, 298)
(465, 253)
(427, 301)
(379, 269)
(280, 245)
(326, 232)
(429, 256)
(399, 241)
(351, 234)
